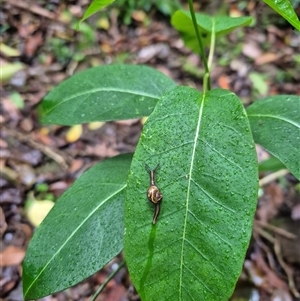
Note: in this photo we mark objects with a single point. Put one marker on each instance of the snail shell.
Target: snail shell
(154, 194)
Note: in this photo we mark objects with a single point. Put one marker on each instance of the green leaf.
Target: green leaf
(82, 232)
(209, 180)
(9, 70)
(275, 124)
(271, 164)
(109, 92)
(221, 25)
(94, 7)
(286, 10)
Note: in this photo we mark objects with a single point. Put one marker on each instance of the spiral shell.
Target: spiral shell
(154, 194)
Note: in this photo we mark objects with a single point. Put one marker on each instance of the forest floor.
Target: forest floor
(40, 48)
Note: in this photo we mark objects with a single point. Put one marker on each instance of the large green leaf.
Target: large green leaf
(286, 10)
(275, 124)
(208, 177)
(108, 92)
(220, 25)
(82, 232)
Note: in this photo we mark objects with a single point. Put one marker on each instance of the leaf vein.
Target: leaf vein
(200, 253)
(213, 199)
(208, 228)
(276, 117)
(71, 235)
(198, 279)
(223, 156)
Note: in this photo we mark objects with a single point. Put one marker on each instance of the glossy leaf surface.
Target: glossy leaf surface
(82, 232)
(275, 124)
(220, 25)
(208, 178)
(109, 92)
(286, 10)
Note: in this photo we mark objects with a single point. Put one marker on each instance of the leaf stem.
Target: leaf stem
(206, 79)
(103, 285)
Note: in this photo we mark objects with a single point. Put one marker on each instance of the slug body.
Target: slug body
(153, 193)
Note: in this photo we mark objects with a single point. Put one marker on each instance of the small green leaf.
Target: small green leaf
(82, 232)
(275, 124)
(8, 70)
(109, 92)
(259, 82)
(209, 180)
(286, 10)
(94, 7)
(17, 99)
(221, 25)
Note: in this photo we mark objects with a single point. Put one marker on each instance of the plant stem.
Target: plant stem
(212, 45)
(206, 79)
(103, 285)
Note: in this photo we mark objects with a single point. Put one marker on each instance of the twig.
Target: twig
(37, 145)
(287, 269)
(273, 176)
(111, 276)
(35, 9)
(275, 229)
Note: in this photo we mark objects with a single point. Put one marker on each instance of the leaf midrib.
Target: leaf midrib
(73, 233)
(188, 191)
(80, 94)
(275, 117)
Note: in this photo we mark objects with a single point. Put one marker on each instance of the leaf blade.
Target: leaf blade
(274, 120)
(104, 93)
(286, 10)
(72, 236)
(177, 259)
(220, 25)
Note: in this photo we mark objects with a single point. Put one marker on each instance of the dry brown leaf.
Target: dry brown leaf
(76, 165)
(296, 212)
(33, 42)
(127, 122)
(270, 202)
(224, 82)
(267, 58)
(251, 50)
(271, 280)
(139, 15)
(11, 256)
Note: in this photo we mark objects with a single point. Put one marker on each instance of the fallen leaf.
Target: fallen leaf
(76, 165)
(270, 202)
(139, 15)
(8, 70)
(74, 133)
(259, 83)
(103, 23)
(296, 212)
(251, 50)
(95, 125)
(3, 224)
(267, 58)
(11, 256)
(9, 51)
(38, 210)
(223, 82)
